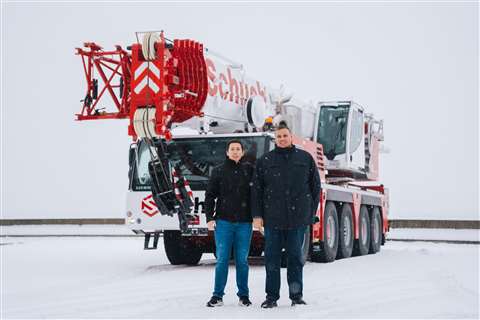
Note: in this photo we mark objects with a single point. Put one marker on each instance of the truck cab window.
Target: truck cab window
(194, 159)
(357, 130)
(141, 176)
(332, 130)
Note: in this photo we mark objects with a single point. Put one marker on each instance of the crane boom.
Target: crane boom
(159, 84)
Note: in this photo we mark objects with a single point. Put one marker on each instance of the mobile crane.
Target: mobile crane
(166, 88)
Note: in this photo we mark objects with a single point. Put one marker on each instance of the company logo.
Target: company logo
(229, 88)
(149, 207)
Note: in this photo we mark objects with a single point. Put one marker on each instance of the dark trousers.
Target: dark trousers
(292, 241)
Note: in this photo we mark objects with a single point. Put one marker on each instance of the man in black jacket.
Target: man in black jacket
(231, 219)
(285, 199)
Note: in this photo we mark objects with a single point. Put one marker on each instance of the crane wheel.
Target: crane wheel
(329, 245)
(362, 244)
(375, 231)
(346, 237)
(180, 250)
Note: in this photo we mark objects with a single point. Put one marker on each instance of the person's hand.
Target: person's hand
(211, 225)
(258, 224)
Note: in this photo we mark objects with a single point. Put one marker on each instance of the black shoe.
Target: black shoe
(298, 301)
(267, 304)
(244, 302)
(215, 302)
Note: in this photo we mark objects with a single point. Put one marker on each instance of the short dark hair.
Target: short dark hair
(234, 141)
(282, 125)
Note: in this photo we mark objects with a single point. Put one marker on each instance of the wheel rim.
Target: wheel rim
(364, 231)
(347, 231)
(330, 231)
(376, 229)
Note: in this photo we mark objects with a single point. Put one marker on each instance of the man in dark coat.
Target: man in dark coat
(285, 199)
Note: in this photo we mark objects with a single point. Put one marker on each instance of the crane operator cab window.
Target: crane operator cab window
(356, 134)
(194, 158)
(332, 130)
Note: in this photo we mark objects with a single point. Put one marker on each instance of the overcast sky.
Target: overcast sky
(414, 65)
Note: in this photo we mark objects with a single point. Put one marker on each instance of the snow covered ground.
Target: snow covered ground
(121, 230)
(95, 229)
(113, 277)
(435, 234)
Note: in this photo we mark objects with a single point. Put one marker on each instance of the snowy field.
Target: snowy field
(113, 277)
(472, 235)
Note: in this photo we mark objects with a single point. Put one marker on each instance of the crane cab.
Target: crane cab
(193, 157)
(350, 140)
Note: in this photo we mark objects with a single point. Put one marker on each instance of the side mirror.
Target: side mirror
(132, 153)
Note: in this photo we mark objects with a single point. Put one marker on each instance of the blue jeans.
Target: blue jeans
(292, 240)
(230, 235)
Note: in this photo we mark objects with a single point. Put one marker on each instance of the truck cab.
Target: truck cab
(194, 157)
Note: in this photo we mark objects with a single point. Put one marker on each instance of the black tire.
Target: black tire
(305, 249)
(255, 251)
(171, 241)
(329, 245)
(362, 244)
(346, 236)
(375, 231)
(193, 254)
(180, 250)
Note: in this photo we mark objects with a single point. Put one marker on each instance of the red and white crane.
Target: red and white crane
(160, 84)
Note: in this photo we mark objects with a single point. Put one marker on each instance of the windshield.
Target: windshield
(195, 158)
(332, 130)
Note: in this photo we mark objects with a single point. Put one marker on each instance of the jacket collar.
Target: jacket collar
(232, 163)
(285, 150)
